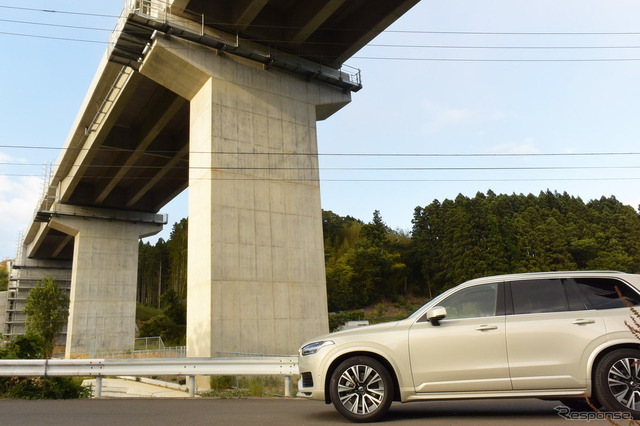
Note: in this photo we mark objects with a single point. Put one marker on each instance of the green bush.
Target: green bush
(32, 347)
(43, 388)
(223, 386)
(220, 382)
(145, 313)
(337, 319)
(165, 327)
(262, 385)
(255, 387)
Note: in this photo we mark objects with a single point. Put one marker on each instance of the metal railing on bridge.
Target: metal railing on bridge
(146, 347)
(142, 19)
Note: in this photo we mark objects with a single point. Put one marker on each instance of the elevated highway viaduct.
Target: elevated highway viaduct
(221, 97)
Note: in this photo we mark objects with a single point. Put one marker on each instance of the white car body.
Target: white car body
(541, 354)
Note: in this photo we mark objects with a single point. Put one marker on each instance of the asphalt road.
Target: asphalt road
(267, 411)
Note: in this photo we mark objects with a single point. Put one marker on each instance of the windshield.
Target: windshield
(430, 303)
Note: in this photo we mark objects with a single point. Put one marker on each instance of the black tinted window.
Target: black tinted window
(536, 296)
(576, 302)
(601, 292)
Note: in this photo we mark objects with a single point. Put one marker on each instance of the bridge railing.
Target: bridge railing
(286, 366)
(352, 74)
(158, 15)
(160, 10)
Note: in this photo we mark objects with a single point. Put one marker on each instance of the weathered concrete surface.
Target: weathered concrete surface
(256, 277)
(103, 281)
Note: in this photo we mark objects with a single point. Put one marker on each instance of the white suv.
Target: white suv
(559, 335)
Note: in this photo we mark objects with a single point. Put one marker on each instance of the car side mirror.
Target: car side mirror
(436, 314)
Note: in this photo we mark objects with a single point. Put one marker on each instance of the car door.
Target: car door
(466, 352)
(550, 334)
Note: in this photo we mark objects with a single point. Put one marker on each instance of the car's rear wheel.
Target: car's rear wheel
(361, 389)
(617, 381)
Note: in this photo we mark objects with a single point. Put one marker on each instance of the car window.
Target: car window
(576, 302)
(601, 292)
(538, 296)
(472, 302)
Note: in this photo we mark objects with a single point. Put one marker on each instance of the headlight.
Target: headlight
(314, 347)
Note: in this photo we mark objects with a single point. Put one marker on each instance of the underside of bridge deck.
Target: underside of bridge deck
(142, 161)
(324, 31)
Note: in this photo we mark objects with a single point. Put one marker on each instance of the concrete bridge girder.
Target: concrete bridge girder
(256, 278)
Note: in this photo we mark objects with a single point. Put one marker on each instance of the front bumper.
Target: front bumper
(309, 392)
(311, 382)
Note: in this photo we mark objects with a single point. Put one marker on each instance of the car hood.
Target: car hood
(354, 332)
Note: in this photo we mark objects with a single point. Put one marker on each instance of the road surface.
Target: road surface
(271, 411)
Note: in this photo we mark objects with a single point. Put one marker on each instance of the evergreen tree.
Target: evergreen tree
(177, 257)
(47, 309)
(495, 234)
(4, 276)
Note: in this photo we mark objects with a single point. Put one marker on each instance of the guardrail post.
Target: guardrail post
(287, 386)
(192, 386)
(98, 386)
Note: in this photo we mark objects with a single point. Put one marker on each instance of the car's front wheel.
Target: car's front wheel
(617, 381)
(361, 389)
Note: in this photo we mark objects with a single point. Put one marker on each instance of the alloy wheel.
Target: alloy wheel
(624, 382)
(361, 389)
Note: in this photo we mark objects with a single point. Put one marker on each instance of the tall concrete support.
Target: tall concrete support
(256, 276)
(103, 280)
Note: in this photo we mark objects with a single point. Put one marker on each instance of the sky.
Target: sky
(459, 97)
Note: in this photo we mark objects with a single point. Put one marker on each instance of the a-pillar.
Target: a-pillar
(256, 275)
(103, 282)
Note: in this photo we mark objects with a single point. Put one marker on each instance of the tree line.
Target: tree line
(451, 241)
(456, 240)
(163, 267)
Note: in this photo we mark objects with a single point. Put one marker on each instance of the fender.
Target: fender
(617, 339)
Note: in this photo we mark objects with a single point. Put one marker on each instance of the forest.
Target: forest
(451, 241)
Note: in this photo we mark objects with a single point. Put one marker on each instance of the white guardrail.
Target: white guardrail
(286, 366)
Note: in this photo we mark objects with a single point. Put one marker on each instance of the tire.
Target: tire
(617, 381)
(361, 389)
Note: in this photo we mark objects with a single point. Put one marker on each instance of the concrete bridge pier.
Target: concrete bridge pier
(256, 276)
(104, 277)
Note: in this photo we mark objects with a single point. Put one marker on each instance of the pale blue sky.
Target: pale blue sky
(525, 82)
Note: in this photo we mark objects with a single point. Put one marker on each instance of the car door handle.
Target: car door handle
(487, 327)
(583, 321)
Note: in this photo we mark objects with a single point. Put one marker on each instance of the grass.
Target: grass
(228, 387)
